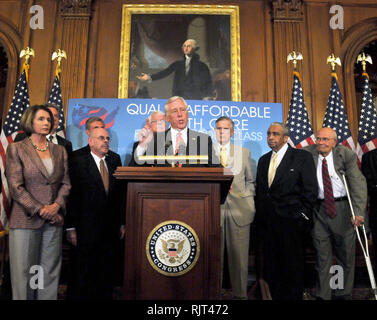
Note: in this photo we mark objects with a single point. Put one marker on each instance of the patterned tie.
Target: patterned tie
(104, 175)
(272, 169)
(178, 141)
(327, 190)
(223, 157)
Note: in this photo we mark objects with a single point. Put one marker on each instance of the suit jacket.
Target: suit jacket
(240, 199)
(95, 215)
(197, 144)
(369, 169)
(196, 85)
(345, 162)
(30, 185)
(294, 189)
(61, 141)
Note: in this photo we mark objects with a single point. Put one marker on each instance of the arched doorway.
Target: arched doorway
(371, 69)
(3, 78)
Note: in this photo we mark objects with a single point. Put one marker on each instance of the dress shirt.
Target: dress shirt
(97, 160)
(226, 150)
(336, 181)
(174, 133)
(54, 139)
(280, 155)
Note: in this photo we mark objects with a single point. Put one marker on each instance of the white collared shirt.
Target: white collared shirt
(280, 155)
(97, 160)
(338, 188)
(54, 138)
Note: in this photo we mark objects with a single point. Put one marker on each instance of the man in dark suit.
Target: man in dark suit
(52, 137)
(369, 169)
(192, 79)
(333, 224)
(177, 140)
(285, 197)
(95, 218)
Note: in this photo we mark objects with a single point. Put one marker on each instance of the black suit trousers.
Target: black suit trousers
(283, 257)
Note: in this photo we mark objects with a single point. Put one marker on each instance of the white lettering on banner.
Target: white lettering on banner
(229, 111)
(143, 109)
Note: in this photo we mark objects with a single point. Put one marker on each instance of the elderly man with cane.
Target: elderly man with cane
(333, 223)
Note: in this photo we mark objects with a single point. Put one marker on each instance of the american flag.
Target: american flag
(336, 115)
(10, 129)
(300, 129)
(56, 97)
(367, 137)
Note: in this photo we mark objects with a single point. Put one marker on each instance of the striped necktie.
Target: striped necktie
(327, 191)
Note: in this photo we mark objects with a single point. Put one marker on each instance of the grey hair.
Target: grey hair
(193, 42)
(153, 113)
(281, 124)
(172, 99)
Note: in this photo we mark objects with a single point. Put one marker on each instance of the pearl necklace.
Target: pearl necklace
(39, 149)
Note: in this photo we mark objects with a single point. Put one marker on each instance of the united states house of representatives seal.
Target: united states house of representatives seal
(172, 248)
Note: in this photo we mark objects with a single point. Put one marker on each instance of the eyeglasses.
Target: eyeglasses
(102, 138)
(158, 121)
(323, 139)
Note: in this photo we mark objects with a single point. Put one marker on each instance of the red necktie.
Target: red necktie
(327, 190)
(178, 141)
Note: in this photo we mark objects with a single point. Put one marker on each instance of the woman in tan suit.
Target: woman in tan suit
(37, 174)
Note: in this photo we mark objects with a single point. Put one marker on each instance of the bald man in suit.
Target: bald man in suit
(333, 224)
(286, 195)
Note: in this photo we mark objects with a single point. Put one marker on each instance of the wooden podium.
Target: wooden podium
(173, 235)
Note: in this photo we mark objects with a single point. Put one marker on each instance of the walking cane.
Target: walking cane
(365, 249)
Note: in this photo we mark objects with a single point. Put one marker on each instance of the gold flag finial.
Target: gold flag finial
(27, 53)
(294, 56)
(333, 61)
(59, 55)
(364, 59)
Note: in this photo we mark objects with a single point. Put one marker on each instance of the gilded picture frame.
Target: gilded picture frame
(218, 40)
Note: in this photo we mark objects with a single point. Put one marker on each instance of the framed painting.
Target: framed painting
(152, 55)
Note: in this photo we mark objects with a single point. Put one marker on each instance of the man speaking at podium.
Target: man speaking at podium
(177, 140)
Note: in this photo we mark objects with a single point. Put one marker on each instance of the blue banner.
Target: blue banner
(125, 117)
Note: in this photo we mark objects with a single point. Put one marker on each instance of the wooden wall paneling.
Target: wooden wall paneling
(108, 49)
(75, 32)
(269, 94)
(94, 37)
(320, 47)
(254, 52)
(287, 22)
(42, 68)
(305, 68)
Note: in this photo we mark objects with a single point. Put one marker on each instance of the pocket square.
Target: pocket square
(291, 170)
